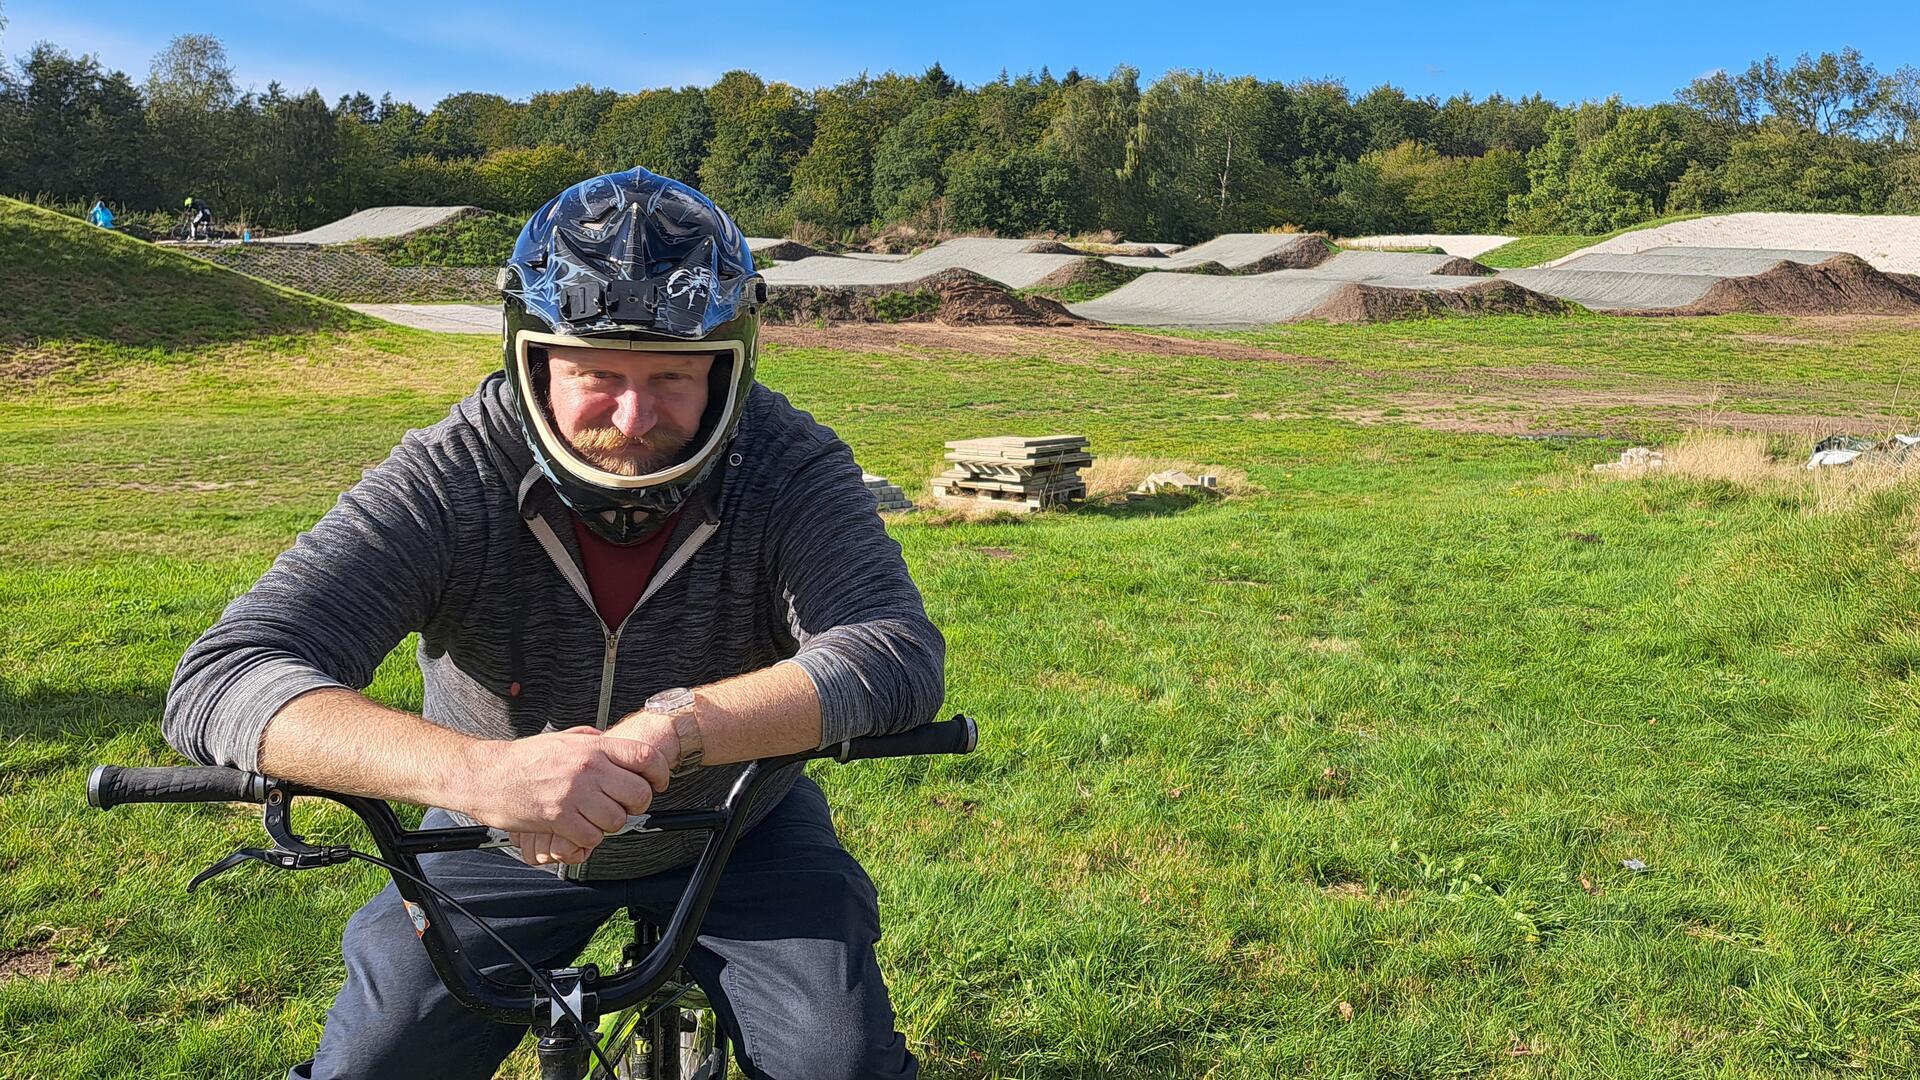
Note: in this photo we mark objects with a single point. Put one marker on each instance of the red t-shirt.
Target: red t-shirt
(616, 574)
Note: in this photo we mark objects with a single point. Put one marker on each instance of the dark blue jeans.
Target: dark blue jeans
(786, 956)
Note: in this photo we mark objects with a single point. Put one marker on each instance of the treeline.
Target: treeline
(1186, 157)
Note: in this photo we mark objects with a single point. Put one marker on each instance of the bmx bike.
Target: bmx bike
(659, 1026)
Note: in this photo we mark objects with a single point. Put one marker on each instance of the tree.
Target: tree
(760, 132)
(398, 129)
(1091, 123)
(521, 181)
(833, 182)
(909, 162)
(191, 107)
(74, 132)
(651, 129)
(1391, 118)
(567, 118)
(294, 160)
(1604, 166)
(1781, 166)
(470, 125)
(1013, 194)
(1832, 94)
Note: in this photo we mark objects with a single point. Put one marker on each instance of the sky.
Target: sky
(421, 52)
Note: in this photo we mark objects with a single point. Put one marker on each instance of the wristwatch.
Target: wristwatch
(679, 704)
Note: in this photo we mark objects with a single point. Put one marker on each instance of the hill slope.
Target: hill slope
(67, 281)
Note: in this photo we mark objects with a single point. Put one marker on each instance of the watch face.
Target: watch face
(670, 701)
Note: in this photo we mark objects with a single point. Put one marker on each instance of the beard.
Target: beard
(606, 448)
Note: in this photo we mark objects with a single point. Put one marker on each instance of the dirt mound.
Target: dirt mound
(1842, 285)
(788, 251)
(956, 297)
(1208, 268)
(1050, 247)
(1089, 271)
(1463, 268)
(1362, 303)
(1306, 252)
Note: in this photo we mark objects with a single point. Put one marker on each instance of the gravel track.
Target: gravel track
(375, 224)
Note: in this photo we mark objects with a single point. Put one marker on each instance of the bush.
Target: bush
(483, 239)
(901, 306)
(1015, 193)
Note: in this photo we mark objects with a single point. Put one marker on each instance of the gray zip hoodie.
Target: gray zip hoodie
(779, 556)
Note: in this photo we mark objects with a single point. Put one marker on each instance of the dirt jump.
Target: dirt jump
(379, 223)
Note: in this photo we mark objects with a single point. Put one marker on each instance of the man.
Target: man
(631, 568)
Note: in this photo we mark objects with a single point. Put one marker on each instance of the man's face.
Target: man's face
(630, 413)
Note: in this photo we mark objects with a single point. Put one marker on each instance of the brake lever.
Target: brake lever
(290, 850)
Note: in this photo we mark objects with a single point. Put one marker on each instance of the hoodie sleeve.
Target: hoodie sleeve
(876, 660)
(370, 571)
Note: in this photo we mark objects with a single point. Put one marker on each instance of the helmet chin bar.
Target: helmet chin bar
(626, 524)
(612, 484)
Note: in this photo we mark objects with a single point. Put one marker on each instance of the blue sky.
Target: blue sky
(423, 51)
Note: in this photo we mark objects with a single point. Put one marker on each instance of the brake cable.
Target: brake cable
(539, 978)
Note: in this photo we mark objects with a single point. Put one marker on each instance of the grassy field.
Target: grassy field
(1332, 777)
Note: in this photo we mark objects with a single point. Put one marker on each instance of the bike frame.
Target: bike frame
(564, 1005)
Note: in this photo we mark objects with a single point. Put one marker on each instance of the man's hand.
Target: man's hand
(560, 793)
(654, 730)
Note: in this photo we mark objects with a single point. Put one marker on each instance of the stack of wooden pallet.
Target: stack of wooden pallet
(889, 494)
(1012, 473)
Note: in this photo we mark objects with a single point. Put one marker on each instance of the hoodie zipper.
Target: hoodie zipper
(660, 577)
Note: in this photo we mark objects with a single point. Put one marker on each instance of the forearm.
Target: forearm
(767, 713)
(341, 741)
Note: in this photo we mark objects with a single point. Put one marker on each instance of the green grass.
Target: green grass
(478, 239)
(1534, 250)
(1333, 777)
(1093, 279)
(72, 289)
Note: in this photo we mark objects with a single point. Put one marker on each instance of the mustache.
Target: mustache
(608, 439)
(609, 449)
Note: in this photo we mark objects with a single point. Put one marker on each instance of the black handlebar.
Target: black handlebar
(955, 736)
(111, 785)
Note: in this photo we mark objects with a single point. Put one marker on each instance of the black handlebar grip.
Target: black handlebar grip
(955, 736)
(109, 786)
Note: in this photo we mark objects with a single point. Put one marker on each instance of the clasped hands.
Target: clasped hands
(558, 794)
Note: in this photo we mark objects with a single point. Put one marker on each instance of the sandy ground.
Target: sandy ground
(1889, 242)
(1467, 246)
(1004, 261)
(1616, 290)
(1715, 261)
(1232, 250)
(374, 224)
(1175, 299)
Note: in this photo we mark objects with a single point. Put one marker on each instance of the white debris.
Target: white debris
(1173, 481)
(1635, 458)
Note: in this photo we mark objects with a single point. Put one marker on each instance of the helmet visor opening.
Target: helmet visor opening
(530, 354)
